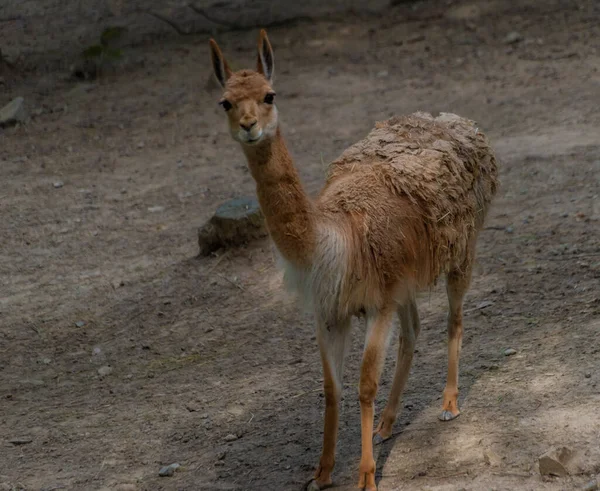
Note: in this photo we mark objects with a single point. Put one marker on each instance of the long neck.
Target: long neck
(287, 209)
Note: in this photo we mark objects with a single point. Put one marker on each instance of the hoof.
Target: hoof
(313, 485)
(448, 416)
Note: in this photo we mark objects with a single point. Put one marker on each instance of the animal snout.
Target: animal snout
(247, 125)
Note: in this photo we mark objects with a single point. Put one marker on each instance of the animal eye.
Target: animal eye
(269, 98)
(226, 104)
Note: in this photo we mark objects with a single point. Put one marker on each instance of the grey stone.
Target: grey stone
(513, 37)
(58, 184)
(80, 323)
(13, 112)
(21, 440)
(168, 470)
(231, 437)
(104, 371)
(236, 222)
(510, 352)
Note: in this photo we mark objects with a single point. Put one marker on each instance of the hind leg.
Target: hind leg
(410, 327)
(457, 285)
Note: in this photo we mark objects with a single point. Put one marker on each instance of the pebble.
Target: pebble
(491, 458)
(168, 470)
(509, 229)
(510, 352)
(231, 437)
(58, 184)
(104, 371)
(554, 462)
(80, 324)
(221, 455)
(588, 375)
(13, 112)
(513, 37)
(23, 440)
(156, 209)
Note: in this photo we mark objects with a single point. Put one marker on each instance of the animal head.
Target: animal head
(248, 95)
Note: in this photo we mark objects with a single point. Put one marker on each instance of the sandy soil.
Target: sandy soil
(103, 190)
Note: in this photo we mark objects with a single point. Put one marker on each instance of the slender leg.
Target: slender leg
(457, 285)
(334, 341)
(378, 329)
(409, 332)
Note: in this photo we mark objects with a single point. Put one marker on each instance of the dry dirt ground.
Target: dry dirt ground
(101, 271)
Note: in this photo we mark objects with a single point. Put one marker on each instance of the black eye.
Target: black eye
(269, 98)
(226, 104)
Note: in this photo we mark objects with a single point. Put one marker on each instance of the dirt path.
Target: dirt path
(102, 193)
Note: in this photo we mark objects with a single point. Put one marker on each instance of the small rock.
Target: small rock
(46, 361)
(231, 437)
(484, 305)
(168, 470)
(58, 184)
(588, 375)
(221, 455)
(555, 462)
(156, 209)
(13, 112)
(235, 222)
(22, 440)
(513, 37)
(591, 486)
(491, 458)
(80, 324)
(81, 89)
(510, 352)
(415, 38)
(509, 230)
(104, 371)
(382, 74)
(141, 145)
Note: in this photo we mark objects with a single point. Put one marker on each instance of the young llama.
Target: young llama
(398, 209)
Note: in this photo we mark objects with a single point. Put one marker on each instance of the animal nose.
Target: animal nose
(248, 125)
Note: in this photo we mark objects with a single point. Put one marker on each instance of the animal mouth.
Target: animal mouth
(251, 141)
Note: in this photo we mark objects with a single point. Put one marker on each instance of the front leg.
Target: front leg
(378, 329)
(334, 341)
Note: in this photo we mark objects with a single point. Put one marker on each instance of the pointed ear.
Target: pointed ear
(220, 66)
(266, 61)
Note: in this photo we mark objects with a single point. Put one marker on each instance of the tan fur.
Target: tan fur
(399, 208)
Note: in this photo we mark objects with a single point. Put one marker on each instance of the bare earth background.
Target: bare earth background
(101, 271)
